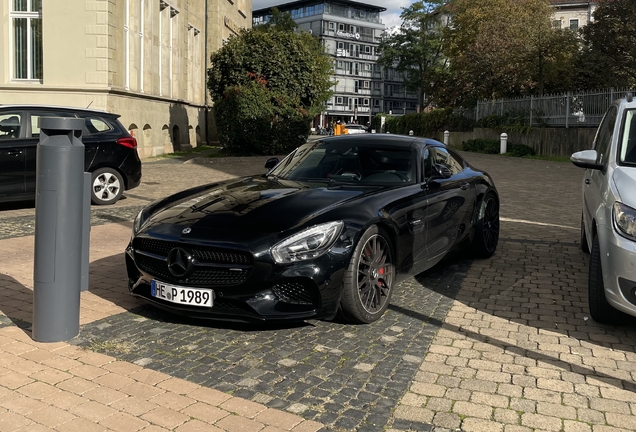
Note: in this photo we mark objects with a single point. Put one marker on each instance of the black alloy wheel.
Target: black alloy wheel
(486, 237)
(369, 280)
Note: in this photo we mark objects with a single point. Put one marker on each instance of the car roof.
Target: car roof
(385, 139)
(57, 107)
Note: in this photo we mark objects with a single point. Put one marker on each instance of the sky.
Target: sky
(390, 18)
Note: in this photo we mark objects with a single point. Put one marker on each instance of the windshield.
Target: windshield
(627, 152)
(341, 162)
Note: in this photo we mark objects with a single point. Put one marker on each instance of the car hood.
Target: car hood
(625, 181)
(253, 204)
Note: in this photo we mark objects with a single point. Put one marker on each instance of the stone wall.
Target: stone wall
(546, 141)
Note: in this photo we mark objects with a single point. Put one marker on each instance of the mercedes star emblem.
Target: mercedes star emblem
(186, 230)
(179, 262)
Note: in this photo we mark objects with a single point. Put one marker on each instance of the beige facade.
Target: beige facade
(142, 59)
(572, 14)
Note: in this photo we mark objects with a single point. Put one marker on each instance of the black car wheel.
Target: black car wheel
(584, 246)
(369, 280)
(486, 238)
(600, 309)
(107, 186)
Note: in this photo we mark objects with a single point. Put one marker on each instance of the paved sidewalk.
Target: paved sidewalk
(504, 344)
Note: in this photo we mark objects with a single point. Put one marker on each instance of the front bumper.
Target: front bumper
(618, 261)
(265, 291)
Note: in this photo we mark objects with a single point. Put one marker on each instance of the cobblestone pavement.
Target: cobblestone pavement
(503, 344)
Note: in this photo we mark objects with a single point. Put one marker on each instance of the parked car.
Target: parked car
(329, 229)
(110, 152)
(608, 220)
(353, 129)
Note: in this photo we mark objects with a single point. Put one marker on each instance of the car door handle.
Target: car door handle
(415, 222)
(587, 181)
(464, 186)
(14, 152)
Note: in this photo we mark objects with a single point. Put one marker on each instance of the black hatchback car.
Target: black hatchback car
(110, 152)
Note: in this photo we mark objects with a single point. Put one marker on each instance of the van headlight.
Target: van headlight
(625, 220)
(307, 244)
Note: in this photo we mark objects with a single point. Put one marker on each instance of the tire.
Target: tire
(369, 280)
(486, 238)
(584, 246)
(107, 186)
(600, 310)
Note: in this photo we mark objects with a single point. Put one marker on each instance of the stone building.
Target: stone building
(572, 14)
(350, 32)
(142, 59)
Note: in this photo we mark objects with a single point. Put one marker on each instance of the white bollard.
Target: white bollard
(504, 143)
(410, 133)
(446, 137)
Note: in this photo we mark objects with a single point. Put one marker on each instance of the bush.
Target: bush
(253, 120)
(425, 124)
(488, 146)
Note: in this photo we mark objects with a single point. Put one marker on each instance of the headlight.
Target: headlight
(138, 222)
(625, 219)
(307, 244)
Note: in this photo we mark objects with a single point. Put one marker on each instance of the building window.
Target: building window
(366, 102)
(332, 26)
(339, 100)
(556, 24)
(341, 27)
(26, 31)
(574, 24)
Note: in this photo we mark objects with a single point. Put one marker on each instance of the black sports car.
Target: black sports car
(328, 230)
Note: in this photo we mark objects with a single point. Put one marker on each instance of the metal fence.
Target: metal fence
(583, 109)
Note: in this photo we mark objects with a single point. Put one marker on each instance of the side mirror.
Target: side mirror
(271, 163)
(442, 171)
(586, 159)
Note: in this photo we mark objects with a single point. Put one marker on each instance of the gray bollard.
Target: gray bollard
(446, 137)
(60, 217)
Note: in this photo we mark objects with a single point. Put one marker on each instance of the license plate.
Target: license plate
(181, 295)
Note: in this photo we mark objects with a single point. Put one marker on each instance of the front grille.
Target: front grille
(294, 293)
(207, 254)
(206, 274)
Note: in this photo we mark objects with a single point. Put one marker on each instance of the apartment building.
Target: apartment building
(572, 14)
(350, 32)
(143, 59)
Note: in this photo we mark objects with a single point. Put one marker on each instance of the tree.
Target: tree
(608, 57)
(267, 84)
(415, 49)
(511, 52)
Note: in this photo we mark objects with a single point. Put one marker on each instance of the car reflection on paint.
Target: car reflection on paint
(327, 231)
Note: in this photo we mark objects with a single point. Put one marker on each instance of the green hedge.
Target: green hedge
(488, 146)
(424, 124)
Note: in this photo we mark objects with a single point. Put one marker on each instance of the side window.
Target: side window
(35, 120)
(427, 164)
(443, 157)
(10, 125)
(605, 135)
(95, 125)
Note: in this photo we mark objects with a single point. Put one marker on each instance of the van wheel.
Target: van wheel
(107, 186)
